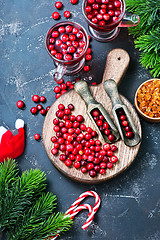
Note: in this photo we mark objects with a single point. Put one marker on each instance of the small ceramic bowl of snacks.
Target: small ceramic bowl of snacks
(147, 100)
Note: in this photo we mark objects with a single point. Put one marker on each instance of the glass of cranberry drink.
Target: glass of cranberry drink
(67, 44)
(105, 17)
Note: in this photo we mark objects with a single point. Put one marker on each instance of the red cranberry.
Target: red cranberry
(111, 13)
(54, 151)
(117, 4)
(61, 107)
(102, 171)
(67, 14)
(98, 142)
(73, 1)
(50, 47)
(128, 129)
(57, 95)
(88, 9)
(77, 131)
(113, 159)
(102, 23)
(103, 6)
(97, 148)
(105, 1)
(65, 117)
(94, 133)
(51, 40)
(110, 6)
(90, 16)
(64, 130)
(33, 110)
(88, 136)
(68, 124)
(39, 107)
(62, 147)
(55, 34)
(55, 15)
(117, 13)
(122, 117)
(107, 132)
(61, 29)
(129, 135)
(83, 127)
(69, 147)
(89, 129)
(20, 104)
(59, 134)
(62, 157)
(76, 124)
(96, 113)
(55, 121)
(67, 111)
(105, 159)
(35, 98)
(59, 56)
(53, 52)
(124, 123)
(83, 169)
(94, 20)
(109, 153)
(67, 57)
(106, 17)
(111, 137)
(56, 128)
(90, 158)
(103, 165)
(96, 161)
(92, 173)
(70, 106)
(109, 165)
(88, 57)
(58, 42)
(58, 5)
(100, 157)
(86, 68)
(102, 11)
(60, 140)
(90, 166)
(53, 139)
(37, 136)
(77, 165)
(56, 145)
(68, 83)
(68, 162)
(113, 148)
(105, 125)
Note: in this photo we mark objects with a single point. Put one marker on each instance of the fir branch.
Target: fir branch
(39, 222)
(147, 32)
(27, 187)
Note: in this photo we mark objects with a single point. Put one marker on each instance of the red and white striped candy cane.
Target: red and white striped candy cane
(84, 195)
(75, 209)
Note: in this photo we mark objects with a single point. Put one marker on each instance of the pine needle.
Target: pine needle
(147, 33)
(26, 212)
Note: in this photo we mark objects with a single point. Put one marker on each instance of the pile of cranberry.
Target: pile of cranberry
(66, 43)
(102, 124)
(103, 12)
(124, 124)
(77, 144)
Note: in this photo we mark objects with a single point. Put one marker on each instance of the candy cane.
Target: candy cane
(75, 209)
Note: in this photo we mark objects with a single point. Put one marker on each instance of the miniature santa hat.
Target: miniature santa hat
(12, 146)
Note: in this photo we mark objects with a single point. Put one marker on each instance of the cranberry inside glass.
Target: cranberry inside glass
(67, 44)
(104, 18)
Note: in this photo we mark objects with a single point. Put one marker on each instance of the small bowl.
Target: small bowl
(147, 118)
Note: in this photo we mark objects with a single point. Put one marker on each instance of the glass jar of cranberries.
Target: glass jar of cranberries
(67, 43)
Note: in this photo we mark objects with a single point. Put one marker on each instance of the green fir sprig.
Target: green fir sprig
(26, 211)
(147, 32)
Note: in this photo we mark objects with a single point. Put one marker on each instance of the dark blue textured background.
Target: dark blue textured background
(130, 206)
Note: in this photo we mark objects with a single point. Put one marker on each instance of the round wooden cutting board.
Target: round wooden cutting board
(116, 65)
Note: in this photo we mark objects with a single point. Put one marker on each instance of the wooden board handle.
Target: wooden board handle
(116, 65)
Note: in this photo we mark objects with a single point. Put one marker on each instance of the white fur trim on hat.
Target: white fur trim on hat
(19, 124)
(2, 131)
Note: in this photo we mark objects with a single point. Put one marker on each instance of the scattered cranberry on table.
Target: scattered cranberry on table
(33, 110)
(37, 136)
(73, 1)
(55, 15)
(20, 104)
(58, 5)
(35, 98)
(76, 143)
(67, 14)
